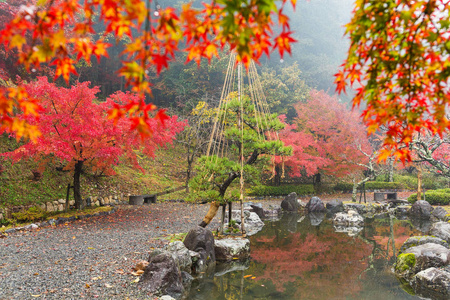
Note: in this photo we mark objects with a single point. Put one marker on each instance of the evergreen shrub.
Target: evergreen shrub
(370, 185)
(434, 197)
(283, 190)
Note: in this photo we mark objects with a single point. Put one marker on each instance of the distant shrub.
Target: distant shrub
(343, 187)
(264, 190)
(370, 185)
(434, 197)
(379, 185)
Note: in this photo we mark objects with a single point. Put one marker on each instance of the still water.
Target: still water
(297, 258)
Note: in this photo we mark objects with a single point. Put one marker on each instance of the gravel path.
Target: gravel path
(90, 258)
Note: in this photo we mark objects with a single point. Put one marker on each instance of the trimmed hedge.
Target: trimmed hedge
(370, 185)
(264, 190)
(434, 197)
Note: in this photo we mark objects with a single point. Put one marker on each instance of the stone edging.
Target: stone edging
(58, 221)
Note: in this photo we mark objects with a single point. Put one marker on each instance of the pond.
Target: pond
(297, 258)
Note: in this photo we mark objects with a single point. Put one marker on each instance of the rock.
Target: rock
(31, 227)
(166, 297)
(441, 230)
(52, 222)
(335, 206)
(229, 249)
(315, 205)
(10, 230)
(257, 209)
(72, 202)
(1, 216)
(253, 223)
(97, 203)
(420, 240)
(419, 258)
(60, 207)
(181, 255)
(201, 240)
(316, 218)
(351, 219)
(420, 209)
(61, 201)
(162, 276)
(360, 208)
(42, 206)
(432, 283)
(439, 213)
(290, 203)
(50, 207)
(55, 203)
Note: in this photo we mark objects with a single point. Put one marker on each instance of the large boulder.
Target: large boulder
(290, 203)
(201, 240)
(162, 276)
(258, 209)
(232, 249)
(421, 209)
(335, 206)
(432, 283)
(351, 219)
(420, 240)
(315, 205)
(418, 258)
(439, 213)
(181, 255)
(441, 230)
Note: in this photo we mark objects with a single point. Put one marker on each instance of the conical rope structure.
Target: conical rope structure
(237, 86)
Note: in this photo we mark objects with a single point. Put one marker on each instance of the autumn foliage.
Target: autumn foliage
(325, 137)
(77, 131)
(61, 34)
(398, 64)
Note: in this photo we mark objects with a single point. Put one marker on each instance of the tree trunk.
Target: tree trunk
(419, 182)
(213, 208)
(76, 185)
(277, 177)
(391, 169)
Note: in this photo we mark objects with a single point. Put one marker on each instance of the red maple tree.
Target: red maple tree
(76, 129)
(62, 33)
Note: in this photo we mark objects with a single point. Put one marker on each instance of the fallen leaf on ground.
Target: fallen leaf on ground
(141, 265)
(138, 273)
(136, 280)
(120, 271)
(246, 276)
(108, 285)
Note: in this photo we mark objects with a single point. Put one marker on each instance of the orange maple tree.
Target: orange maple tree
(61, 33)
(398, 62)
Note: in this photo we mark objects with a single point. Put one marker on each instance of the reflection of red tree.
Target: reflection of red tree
(330, 263)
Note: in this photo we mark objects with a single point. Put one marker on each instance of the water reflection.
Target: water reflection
(305, 258)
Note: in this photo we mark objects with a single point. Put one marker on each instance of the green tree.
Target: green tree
(217, 173)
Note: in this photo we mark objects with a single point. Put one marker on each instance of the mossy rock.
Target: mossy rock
(405, 264)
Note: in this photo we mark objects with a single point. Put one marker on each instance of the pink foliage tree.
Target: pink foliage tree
(76, 129)
(326, 137)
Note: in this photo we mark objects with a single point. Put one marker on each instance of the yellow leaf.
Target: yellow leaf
(91, 248)
(17, 41)
(246, 276)
(136, 280)
(35, 296)
(253, 277)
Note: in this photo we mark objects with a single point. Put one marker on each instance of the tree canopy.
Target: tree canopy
(398, 62)
(60, 33)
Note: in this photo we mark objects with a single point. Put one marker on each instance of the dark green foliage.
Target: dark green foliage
(265, 191)
(217, 178)
(434, 197)
(343, 187)
(370, 185)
